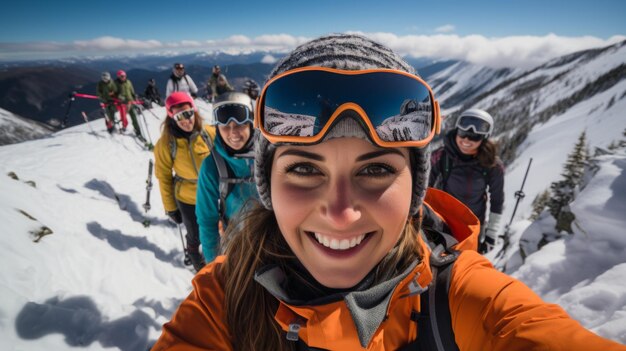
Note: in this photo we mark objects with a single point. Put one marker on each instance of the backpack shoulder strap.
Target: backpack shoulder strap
(435, 321)
(222, 169)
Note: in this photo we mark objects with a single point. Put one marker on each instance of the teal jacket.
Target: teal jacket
(208, 194)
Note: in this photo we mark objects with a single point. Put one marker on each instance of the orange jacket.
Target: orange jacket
(490, 310)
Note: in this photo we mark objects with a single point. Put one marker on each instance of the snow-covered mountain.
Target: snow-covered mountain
(80, 271)
(15, 129)
(532, 98)
(284, 123)
(463, 81)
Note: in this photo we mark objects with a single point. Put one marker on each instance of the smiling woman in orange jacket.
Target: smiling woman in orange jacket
(335, 260)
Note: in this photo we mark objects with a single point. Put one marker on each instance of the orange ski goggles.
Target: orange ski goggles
(301, 105)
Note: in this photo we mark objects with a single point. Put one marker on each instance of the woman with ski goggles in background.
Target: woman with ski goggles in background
(336, 259)
(226, 180)
(178, 155)
(468, 168)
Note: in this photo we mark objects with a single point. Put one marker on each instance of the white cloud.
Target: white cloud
(111, 43)
(512, 51)
(448, 28)
(269, 59)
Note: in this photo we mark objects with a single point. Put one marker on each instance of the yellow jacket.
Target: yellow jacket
(185, 167)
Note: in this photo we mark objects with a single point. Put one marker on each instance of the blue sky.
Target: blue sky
(55, 26)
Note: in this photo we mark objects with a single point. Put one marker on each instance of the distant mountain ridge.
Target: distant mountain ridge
(41, 92)
(15, 129)
(520, 100)
(514, 97)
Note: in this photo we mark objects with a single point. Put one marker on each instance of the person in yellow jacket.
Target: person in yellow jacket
(178, 153)
(335, 258)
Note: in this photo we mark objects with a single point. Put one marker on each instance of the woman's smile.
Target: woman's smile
(341, 205)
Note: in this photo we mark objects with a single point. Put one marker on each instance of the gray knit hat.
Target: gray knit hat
(349, 52)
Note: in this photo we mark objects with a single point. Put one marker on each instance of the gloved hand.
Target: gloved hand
(487, 244)
(194, 95)
(491, 233)
(175, 216)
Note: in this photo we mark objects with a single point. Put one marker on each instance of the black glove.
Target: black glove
(194, 95)
(175, 216)
(487, 245)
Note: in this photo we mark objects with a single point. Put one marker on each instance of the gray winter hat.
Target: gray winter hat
(348, 52)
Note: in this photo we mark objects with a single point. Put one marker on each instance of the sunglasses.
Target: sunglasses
(301, 105)
(183, 115)
(238, 113)
(466, 134)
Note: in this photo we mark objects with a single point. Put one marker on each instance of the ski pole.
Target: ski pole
(505, 236)
(147, 206)
(89, 124)
(155, 116)
(67, 111)
(520, 193)
(187, 259)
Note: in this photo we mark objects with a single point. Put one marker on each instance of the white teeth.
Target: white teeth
(337, 244)
(344, 244)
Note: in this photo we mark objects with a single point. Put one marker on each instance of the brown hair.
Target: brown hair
(487, 153)
(255, 240)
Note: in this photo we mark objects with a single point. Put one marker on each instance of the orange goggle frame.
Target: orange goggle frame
(301, 105)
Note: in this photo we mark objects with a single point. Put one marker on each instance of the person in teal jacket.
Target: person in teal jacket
(226, 180)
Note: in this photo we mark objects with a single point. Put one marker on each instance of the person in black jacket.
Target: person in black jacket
(468, 168)
(152, 93)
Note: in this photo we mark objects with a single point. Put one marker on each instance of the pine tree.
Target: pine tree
(563, 191)
(539, 204)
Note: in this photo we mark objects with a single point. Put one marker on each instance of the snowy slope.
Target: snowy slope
(579, 273)
(101, 279)
(585, 272)
(15, 129)
(549, 144)
(464, 81)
